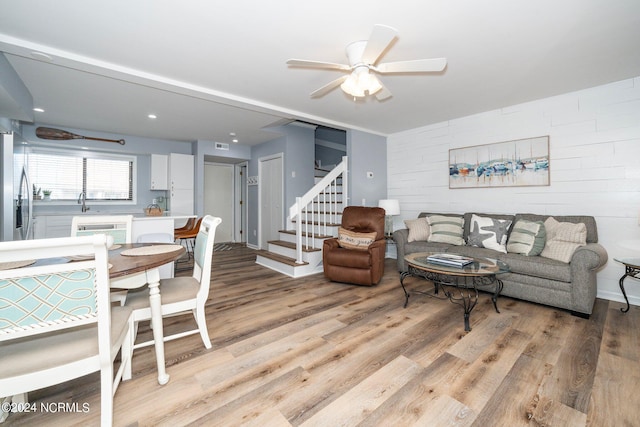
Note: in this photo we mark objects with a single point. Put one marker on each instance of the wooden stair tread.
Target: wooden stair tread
(322, 213)
(292, 245)
(280, 258)
(328, 224)
(318, 236)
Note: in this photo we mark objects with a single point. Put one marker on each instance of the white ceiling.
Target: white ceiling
(209, 68)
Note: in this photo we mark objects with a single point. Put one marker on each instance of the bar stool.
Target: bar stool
(188, 226)
(188, 237)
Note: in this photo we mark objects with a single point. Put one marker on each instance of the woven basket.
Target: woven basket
(153, 210)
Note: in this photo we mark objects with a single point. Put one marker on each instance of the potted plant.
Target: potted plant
(47, 194)
(36, 192)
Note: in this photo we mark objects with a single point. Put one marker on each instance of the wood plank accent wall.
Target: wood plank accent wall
(594, 163)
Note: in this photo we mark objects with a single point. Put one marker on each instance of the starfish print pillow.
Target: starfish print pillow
(490, 233)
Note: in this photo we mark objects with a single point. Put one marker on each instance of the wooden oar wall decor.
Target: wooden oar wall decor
(58, 134)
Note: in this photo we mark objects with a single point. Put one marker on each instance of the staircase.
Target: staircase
(314, 217)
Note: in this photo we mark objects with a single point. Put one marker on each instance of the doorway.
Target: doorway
(270, 198)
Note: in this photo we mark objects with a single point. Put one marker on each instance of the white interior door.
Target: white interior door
(271, 199)
(218, 197)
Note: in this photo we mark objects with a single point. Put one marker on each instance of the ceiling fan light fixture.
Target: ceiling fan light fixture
(351, 87)
(361, 83)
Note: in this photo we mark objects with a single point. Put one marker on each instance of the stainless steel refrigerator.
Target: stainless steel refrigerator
(16, 219)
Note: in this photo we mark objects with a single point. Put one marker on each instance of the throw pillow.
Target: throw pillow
(418, 229)
(446, 229)
(353, 240)
(489, 233)
(527, 238)
(563, 238)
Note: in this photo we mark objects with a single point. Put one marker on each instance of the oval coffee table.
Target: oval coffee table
(459, 284)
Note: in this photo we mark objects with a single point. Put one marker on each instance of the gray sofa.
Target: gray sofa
(571, 286)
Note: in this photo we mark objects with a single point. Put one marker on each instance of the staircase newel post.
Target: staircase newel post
(298, 231)
(345, 182)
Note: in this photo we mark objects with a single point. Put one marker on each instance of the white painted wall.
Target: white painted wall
(594, 163)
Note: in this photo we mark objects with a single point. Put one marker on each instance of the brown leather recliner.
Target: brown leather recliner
(357, 266)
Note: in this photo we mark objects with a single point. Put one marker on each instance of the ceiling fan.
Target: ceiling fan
(363, 56)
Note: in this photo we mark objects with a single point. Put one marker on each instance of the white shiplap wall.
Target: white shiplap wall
(594, 143)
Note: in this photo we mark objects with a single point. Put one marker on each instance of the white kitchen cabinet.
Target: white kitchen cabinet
(181, 184)
(159, 172)
(48, 226)
(181, 170)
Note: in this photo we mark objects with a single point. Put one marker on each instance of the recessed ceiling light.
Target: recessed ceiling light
(234, 140)
(232, 134)
(152, 116)
(38, 110)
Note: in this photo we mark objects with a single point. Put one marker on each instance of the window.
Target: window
(67, 174)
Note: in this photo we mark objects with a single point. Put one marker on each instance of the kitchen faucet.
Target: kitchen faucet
(82, 199)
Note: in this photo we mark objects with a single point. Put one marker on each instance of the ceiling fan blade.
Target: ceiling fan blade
(381, 37)
(328, 87)
(318, 64)
(383, 93)
(415, 66)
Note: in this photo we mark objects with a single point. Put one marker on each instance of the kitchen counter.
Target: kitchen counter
(58, 224)
(143, 217)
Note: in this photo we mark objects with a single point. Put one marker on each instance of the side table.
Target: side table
(631, 269)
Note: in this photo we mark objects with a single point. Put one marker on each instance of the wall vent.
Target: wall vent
(222, 146)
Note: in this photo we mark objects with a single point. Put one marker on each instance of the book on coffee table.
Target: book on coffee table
(452, 260)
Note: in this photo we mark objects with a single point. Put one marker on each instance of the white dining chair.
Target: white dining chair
(56, 320)
(181, 295)
(116, 226)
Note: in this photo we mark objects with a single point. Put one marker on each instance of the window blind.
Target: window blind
(67, 175)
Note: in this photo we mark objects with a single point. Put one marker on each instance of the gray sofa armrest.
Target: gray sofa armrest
(591, 256)
(584, 264)
(401, 237)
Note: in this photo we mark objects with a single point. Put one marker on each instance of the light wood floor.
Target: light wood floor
(289, 352)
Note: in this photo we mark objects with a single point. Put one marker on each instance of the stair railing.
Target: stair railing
(327, 195)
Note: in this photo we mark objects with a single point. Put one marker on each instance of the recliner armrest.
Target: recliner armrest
(331, 244)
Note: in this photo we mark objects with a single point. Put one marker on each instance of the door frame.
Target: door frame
(261, 160)
(241, 194)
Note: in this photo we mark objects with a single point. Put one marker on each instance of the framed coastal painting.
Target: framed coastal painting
(523, 162)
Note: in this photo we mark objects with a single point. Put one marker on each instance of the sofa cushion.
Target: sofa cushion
(563, 238)
(353, 240)
(446, 229)
(487, 232)
(420, 246)
(537, 266)
(418, 229)
(527, 238)
(474, 251)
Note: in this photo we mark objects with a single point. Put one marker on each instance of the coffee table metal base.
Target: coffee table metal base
(629, 271)
(461, 290)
